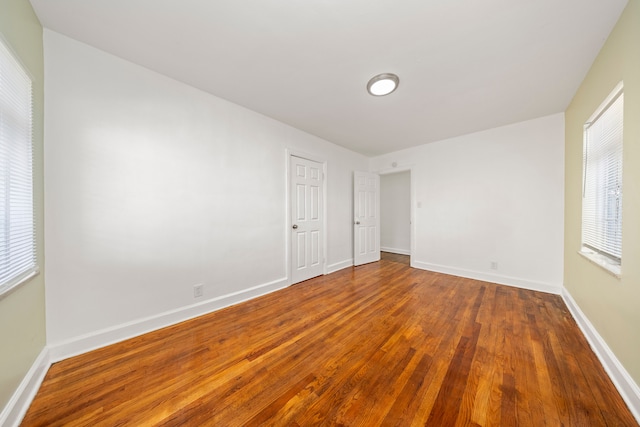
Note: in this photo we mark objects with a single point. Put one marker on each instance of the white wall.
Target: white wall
(395, 212)
(152, 187)
(492, 196)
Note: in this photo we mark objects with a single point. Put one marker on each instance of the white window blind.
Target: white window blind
(17, 231)
(602, 191)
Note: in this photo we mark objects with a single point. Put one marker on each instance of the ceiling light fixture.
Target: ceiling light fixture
(383, 84)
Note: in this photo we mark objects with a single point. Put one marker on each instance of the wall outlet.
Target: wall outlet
(494, 265)
(198, 291)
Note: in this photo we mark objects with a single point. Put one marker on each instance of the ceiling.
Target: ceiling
(464, 65)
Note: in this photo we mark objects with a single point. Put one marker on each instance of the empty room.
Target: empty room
(224, 213)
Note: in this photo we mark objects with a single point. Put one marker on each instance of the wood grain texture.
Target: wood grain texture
(379, 344)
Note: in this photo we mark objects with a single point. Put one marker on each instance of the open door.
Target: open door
(366, 210)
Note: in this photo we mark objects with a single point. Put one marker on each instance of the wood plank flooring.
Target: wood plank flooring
(379, 344)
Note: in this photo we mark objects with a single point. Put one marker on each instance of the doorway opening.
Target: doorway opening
(396, 214)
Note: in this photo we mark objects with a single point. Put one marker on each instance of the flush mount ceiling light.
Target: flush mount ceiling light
(383, 84)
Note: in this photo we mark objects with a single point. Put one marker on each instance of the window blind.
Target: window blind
(17, 230)
(602, 195)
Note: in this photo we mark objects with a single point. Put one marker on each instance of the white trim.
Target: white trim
(20, 257)
(628, 389)
(112, 335)
(400, 168)
(395, 250)
(594, 225)
(332, 268)
(412, 202)
(19, 403)
(601, 261)
(17, 407)
(605, 104)
(16, 58)
(21, 280)
(21, 399)
(488, 277)
(287, 213)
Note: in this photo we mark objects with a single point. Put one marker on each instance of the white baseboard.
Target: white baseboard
(628, 389)
(118, 333)
(488, 277)
(18, 405)
(20, 401)
(395, 251)
(339, 265)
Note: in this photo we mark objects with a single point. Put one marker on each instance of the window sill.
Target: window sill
(602, 262)
(6, 290)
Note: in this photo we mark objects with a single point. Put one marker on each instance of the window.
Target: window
(602, 185)
(17, 230)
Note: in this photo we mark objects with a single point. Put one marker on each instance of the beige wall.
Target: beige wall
(22, 320)
(611, 304)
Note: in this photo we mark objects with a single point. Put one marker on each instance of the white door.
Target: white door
(307, 246)
(366, 209)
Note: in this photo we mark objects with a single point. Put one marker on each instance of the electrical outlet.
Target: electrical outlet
(197, 290)
(494, 265)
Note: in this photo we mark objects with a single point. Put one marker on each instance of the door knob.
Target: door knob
(357, 222)
(294, 226)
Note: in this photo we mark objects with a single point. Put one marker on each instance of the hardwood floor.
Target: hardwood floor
(379, 344)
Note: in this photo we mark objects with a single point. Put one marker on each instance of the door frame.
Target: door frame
(412, 198)
(287, 228)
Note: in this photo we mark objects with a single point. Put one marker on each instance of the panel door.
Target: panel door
(366, 225)
(307, 220)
